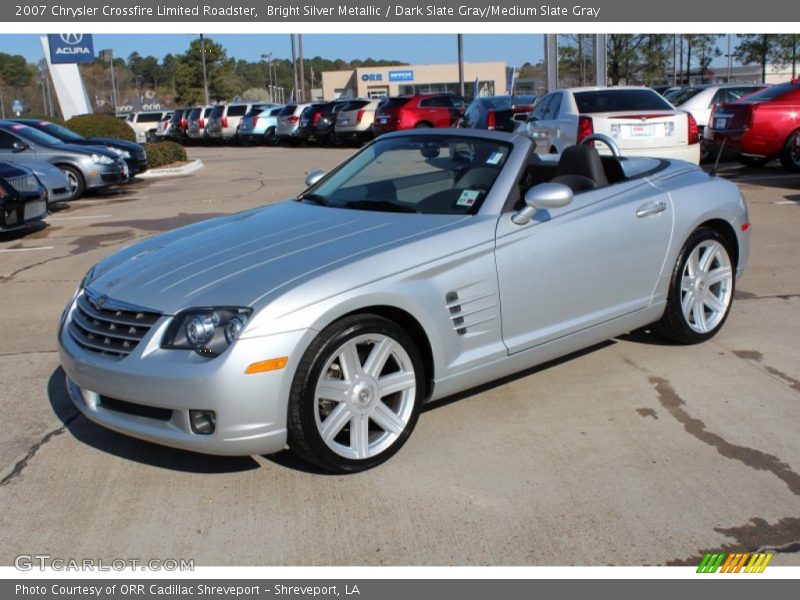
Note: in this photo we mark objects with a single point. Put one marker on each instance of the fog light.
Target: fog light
(203, 421)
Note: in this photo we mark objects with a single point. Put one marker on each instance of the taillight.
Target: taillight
(317, 117)
(224, 121)
(360, 115)
(585, 128)
(694, 133)
(202, 123)
(491, 120)
(751, 115)
(293, 119)
(184, 123)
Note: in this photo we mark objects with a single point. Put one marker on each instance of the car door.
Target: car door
(7, 150)
(537, 125)
(576, 267)
(436, 110)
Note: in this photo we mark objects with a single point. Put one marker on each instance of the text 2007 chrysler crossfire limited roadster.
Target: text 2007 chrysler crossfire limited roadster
(426, 264)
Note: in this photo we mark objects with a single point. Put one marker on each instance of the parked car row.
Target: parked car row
(330, 122)
(42, 163)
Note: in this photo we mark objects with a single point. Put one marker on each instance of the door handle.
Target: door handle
(651, 208)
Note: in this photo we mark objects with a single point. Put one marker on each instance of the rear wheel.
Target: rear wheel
(270, 138)
(77, 185)
(701, 289)
(790, 156)
(356, 395)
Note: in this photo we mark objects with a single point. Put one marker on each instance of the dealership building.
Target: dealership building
(406, 80)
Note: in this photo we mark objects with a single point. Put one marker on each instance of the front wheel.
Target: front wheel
(77, 185)
(701, 289)
(790, 157)
(356, 395)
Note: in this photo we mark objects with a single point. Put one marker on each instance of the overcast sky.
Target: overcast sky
(514, 49)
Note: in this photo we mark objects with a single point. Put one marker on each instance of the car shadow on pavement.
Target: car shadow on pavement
(123, 446)
(514, 377)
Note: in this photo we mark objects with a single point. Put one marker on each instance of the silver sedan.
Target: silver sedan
(426, 264)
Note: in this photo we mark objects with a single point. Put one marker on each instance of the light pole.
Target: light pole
(268, 58)
(109, 54)
(460, 38)
(294, 69)
(205, 72)
(302, 76)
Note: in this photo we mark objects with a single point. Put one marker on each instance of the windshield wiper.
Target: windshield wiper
(315, 198)
(384, 205)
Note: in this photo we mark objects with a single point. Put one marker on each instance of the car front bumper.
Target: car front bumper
(250, 409)
(101, 176)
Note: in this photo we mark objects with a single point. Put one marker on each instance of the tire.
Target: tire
(367, 422)
(76, 181)
(270, 139)
(754, 162)
(790, 155)
(701, 289)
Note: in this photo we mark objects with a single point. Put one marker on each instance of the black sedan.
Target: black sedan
(23, 198)
(133, 154)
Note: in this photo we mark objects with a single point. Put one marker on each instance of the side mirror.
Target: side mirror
(545, 196)
(314, 177)
(19, 147)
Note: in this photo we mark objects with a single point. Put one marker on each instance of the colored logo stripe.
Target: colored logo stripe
(734, 562)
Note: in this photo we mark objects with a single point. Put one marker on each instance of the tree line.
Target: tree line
(177, 79)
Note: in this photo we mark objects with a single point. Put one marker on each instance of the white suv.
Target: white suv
(145, 123)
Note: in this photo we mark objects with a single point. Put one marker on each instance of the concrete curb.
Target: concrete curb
(190, 167)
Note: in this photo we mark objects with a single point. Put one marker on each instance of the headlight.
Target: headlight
(207, 331)
(102, 159)
(120, 152)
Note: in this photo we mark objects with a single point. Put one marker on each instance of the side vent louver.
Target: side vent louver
(469, 310)
(454, 306)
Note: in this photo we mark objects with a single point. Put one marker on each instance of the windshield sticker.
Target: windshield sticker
(468, 197)
(494, 158)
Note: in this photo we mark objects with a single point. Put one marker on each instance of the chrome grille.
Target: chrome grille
(108, 327)
(24, 184)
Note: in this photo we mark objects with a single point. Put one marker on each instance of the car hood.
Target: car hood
(250, 258)
(116, 143)
(82, 149)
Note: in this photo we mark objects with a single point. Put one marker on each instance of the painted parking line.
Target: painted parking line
(768, 177)
(26, 249)
(787, 202)
(80, 217)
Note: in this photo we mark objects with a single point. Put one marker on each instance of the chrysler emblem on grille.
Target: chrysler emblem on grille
(100, 302)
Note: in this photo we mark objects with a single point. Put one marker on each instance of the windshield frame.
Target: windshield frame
(517, 150)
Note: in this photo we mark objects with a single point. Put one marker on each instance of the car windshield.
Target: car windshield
(61, 132)
(34, 135)
(431, 174)
(773, 92)
(612, 100)
(683, 95)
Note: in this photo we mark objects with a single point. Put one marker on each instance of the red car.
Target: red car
(759, 127)
(422, 110)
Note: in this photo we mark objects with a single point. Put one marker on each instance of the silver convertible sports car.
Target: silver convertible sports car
(427, 263)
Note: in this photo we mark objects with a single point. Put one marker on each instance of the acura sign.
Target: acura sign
(71, 47)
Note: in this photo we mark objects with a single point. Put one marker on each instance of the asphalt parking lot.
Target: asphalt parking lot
(630, 453)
